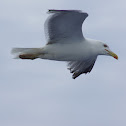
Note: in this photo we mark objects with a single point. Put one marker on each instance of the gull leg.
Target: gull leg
(28, 56)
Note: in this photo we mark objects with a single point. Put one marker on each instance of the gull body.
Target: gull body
(68, 52)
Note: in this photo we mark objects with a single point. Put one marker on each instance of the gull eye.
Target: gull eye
(105, 45)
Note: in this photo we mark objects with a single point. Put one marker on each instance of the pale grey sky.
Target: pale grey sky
(42, 92)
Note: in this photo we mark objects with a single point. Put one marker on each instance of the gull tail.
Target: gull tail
(26, 53)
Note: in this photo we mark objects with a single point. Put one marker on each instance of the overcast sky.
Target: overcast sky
(42, 92)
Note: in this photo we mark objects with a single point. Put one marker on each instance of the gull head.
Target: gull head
(105, 50)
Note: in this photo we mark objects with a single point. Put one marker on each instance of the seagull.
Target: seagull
(65, 42)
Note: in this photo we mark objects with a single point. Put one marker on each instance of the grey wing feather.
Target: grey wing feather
(64, 26)
(81, 67)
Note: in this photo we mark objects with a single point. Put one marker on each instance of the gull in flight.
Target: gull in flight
(65, 42)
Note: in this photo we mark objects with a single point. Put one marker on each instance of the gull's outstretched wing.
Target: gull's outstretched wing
(64, 26)
(80, 67)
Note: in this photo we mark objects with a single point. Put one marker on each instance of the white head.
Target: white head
(105, 50)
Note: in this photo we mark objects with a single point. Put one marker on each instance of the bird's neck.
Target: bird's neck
(94, 46)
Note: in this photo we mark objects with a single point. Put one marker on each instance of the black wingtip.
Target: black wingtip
(54, 11)
(76, 74)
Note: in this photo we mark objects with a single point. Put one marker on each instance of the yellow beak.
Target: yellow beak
(112, 54)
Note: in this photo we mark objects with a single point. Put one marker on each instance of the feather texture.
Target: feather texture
(64, 25)
(80, 67)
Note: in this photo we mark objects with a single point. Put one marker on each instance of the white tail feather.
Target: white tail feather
(17, 52)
